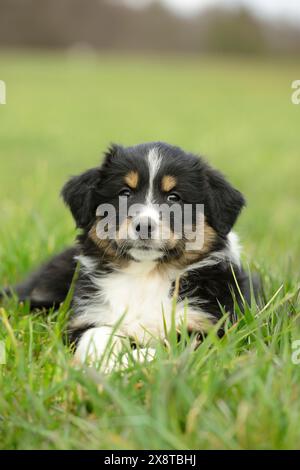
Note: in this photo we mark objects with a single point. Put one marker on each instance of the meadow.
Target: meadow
(62, 111)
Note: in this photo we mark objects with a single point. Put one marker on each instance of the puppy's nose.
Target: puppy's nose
(144, 227)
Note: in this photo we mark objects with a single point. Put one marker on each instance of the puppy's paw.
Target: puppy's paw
(137, 355)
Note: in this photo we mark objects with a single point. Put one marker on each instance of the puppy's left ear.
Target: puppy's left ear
(224, 202)
(80, 195)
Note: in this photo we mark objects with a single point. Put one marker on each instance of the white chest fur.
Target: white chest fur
(140, 299)
(136, 297)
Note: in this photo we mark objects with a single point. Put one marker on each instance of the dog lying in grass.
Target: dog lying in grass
(155, 248)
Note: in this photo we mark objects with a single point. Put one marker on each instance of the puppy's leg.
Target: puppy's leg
(138, 355)
(49, 286)
(99, 346)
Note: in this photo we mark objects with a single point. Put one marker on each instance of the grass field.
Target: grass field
(61, 113)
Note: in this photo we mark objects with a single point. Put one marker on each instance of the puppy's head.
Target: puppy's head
(153, 202)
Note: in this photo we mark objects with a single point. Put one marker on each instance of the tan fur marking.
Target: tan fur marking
(189, 257)
(132, 179)
(103, 244)
(168, 183)
(209, 239)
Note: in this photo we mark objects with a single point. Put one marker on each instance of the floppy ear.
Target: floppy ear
(224, 202)
(80, 196)
(113, 151)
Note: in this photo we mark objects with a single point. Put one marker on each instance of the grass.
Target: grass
(62, 111)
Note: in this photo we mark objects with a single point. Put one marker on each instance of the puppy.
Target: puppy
(136, 252)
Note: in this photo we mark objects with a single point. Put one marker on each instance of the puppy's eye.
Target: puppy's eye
(174, 197)
(125, 193)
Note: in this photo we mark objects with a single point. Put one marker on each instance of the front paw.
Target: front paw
(127, 360)
(138, 355)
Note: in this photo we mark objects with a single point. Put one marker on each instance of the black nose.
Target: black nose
(144, 227)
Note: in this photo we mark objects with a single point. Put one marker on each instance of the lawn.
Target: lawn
(62, 111)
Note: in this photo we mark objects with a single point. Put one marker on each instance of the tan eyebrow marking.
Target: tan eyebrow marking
(168, 183)
(132, 179)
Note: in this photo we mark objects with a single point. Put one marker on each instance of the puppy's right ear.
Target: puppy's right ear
(80, 195)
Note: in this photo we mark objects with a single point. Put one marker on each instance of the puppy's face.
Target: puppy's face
(153, 202)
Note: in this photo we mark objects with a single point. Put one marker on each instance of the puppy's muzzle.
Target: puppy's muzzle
(145, 227)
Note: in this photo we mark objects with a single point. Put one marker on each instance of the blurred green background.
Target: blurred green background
(217, 83)
(63, 110)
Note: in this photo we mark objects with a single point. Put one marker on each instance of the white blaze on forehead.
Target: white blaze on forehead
(154, 161)
(150, 212)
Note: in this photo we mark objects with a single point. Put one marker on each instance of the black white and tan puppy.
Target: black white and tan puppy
(130, 280)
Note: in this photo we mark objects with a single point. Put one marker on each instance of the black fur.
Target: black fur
(49, 286)
(224, 203)
(197, 183)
